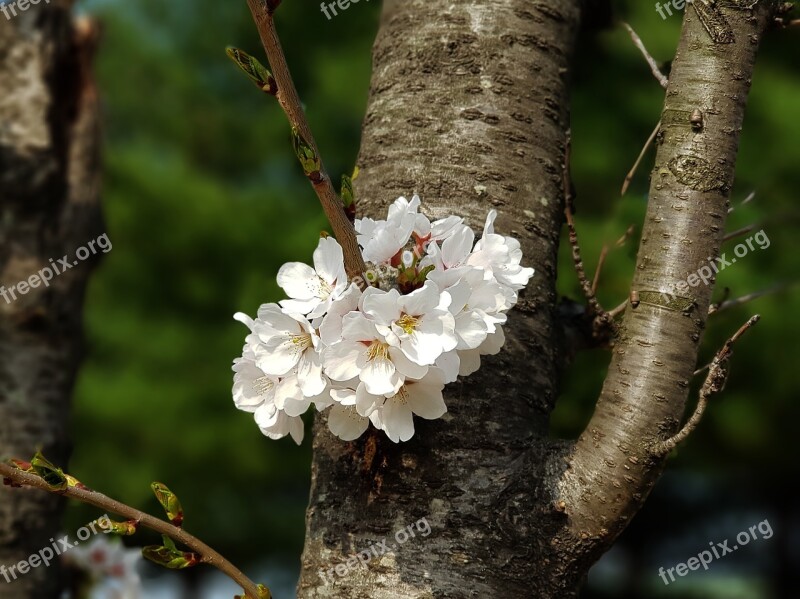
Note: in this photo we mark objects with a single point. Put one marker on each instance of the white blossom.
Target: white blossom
(382, 356)
(314, 289)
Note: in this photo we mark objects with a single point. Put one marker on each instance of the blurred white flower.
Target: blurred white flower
(110, 566)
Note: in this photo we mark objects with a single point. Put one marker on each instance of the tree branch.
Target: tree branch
(714, 383)
(289, 100)
(208, 555)
(611, 469)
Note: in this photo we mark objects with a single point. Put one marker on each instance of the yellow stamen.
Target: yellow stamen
(378, 350)
(408, 323)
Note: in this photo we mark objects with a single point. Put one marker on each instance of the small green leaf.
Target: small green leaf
(170, 502)
(257, 72)
(307, 156)
(169, 556)
(53, 476)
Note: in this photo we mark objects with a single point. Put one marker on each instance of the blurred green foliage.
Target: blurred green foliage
(204, 201)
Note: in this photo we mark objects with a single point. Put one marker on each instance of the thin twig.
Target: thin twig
(714, 383)
(290, 102)
(719, 307)
(626, 183)
(747, 200)
(586, 286)
(660, 77)
(618, 310)
(742, 231)
(625, 236)
(600, 262)
(98, 500)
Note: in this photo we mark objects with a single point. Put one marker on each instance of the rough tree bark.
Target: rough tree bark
(49, 192)
(613, 467)
(468, 107)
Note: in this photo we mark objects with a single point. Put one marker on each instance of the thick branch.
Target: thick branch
(208, 555)
(611, 471)
(290, 102)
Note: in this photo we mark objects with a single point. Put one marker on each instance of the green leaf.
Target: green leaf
(53, 476)
(169, 556)
(257, 72)
(170, 502)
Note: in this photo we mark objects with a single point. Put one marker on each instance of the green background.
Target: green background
(204, 202)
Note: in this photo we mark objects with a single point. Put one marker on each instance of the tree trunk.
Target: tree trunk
(49, 192)
(468, 108)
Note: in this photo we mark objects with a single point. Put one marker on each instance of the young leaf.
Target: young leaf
(170, 502)
(257, 72)
(169, 556)
(49, 473)
(307, 156)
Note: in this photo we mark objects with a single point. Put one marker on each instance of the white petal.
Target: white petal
(471, 330)
(426, 399)
(398, 422)
(281, 355)
(379, 376)
(449, 364)
(309, 372)
(346, 423)
(298, 280)
(381, 306)
(329, 260)
(405, 366)
(470, 362)
(422, 300)
(339, 360)
(456, 248)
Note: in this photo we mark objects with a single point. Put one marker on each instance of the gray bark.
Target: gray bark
(468, 108)
(49, 188)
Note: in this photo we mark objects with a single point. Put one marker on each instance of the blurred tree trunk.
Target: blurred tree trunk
(469, 108)
(49, 206)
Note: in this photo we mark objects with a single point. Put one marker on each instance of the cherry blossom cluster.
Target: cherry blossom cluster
(434, 302)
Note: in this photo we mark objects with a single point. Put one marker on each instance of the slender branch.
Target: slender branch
(208, 555)
(660, 77)
(714, 383)
(600, 263)
(724, 305)
(626, 183)
(290, 102)
(750, 197)
(742, 231)
(586, 285)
